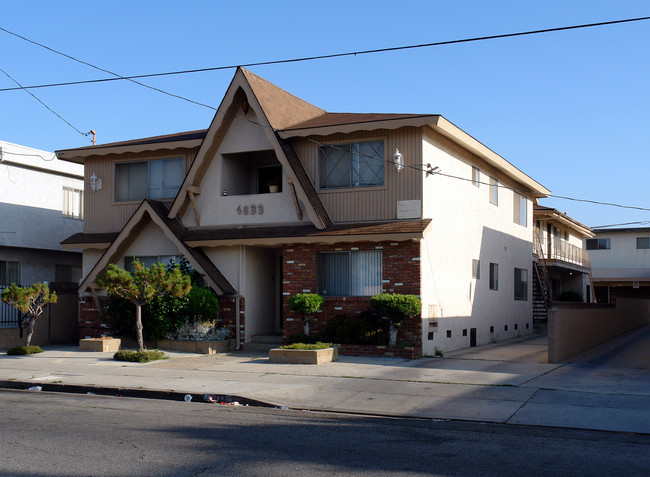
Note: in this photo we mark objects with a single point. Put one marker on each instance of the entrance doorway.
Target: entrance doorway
(472, 337)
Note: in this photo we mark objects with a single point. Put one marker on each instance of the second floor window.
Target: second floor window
(494, 191)
(73, 203)
(642, 242)
(599, 244)
(520, 209)
(9, 273)
(158, 180)
(359, 164)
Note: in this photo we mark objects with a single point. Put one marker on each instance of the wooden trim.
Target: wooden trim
(295, 198)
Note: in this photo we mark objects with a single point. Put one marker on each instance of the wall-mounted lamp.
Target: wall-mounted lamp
(398, 160)
(95, 182)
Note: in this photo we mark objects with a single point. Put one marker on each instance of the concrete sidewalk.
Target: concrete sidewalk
(607, 388)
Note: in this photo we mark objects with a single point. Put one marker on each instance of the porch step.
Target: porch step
(263, 343)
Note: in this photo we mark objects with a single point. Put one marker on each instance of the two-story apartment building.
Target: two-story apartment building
(561, 263)
(620, 260)
(278, 197)
(41, 203)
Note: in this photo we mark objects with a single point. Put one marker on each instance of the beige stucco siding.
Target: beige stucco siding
(466, 227)
(369, 203)
(102, 213)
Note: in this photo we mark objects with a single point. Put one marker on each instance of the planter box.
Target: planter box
(200, 347)
(98, 344)
(303, 356)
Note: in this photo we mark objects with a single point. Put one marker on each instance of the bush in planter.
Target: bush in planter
(200, 331)
(202, 304)
(310, 346)
(362, 329)
(398, 308)
(305, 304)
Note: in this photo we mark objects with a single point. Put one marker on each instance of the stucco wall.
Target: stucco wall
(623, 259)
(573, 328)
(466, 227)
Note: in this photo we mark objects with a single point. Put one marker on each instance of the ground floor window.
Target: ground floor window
(149, 260)
(494, 276)
(354, 273)
(521, 284)
(9, 273)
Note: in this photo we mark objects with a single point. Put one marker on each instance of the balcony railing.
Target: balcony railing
(563, 252)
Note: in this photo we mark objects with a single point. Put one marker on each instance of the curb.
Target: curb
(132, 393)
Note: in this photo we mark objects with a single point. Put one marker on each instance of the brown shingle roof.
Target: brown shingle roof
(366, 228)
(338, 119)
(181, 136)
(281, 108)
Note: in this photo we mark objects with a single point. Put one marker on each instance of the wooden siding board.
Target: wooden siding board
(102, 214)
(380, 203)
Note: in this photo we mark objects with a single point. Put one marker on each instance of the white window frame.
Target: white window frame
(73, 203)
(494, 191)
(355, 164)
(149, 189)
(476, 176)
(521, 284)
(357, 285)
(520, 209)
(494, 276)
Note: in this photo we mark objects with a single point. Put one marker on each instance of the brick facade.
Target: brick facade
(91, 324)
(400, 274)
(228, 313)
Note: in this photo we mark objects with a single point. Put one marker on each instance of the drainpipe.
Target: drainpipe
(237, 330)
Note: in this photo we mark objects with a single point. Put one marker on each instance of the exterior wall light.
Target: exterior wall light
(398, 160)
(95, 182)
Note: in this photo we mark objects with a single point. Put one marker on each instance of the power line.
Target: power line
(117, 76)
(45, 105)
(639, 222)
(308, 58)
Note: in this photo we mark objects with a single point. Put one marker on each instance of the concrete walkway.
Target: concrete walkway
(607, 388)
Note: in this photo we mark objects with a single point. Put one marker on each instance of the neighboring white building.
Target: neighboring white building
(620, 262)
(41, 203)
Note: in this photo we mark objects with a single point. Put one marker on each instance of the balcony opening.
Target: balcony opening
(248, 173)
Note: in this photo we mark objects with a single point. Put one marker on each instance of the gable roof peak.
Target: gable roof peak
(281, 108)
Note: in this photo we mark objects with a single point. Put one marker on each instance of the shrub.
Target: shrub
(398, 307)
(571, 295)
(302, 338)
(317, 345)
(202, 305)
(305, 303)
(139, 356)
(364, 328)
(21, 350)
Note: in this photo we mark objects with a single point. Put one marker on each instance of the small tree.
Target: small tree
(141, 286)
(305, 304)
(30, 301)
(398, 308)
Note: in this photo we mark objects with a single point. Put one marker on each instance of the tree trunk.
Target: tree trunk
(305, 322)
(392, 334)
(31, 321)
(138, 326)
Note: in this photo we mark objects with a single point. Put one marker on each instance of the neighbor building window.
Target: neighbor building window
(148, 260)
(73, 203)
(599, 244)
(67, 273)
(642, 242)
(9, 273)
(355, 273)
(494, 276)
(158, 180)
(359, 164)
(476, 176)
(520, 209)
(521, 284)
(494, 191)
(476, 269)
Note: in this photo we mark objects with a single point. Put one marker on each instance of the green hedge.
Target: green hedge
(22, 350)
(398, 307)
(139, 356)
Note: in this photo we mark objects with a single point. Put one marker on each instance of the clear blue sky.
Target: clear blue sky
(570, 109)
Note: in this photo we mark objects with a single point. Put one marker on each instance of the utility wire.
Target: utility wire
(428, 169)
(307, 58)
(639, 222)
(117, 76)
(45, 105)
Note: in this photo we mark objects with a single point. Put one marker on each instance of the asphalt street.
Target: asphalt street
(52, 434)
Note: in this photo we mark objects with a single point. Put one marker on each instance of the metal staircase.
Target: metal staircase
(541, 287)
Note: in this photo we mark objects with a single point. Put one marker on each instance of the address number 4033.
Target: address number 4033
(252, 209)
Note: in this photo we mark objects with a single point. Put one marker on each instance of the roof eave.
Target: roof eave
(78, 155)
(348, 128)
